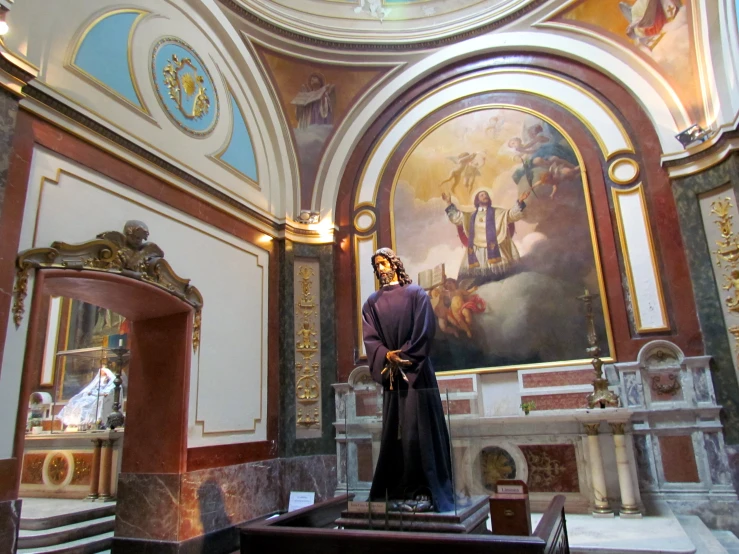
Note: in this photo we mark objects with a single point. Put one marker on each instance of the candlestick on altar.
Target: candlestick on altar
(601, 395)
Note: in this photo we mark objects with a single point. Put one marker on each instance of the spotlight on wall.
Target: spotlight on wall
(308, 217)
(3, 25)
(692, 134)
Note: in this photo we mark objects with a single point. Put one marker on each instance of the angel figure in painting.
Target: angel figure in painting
(467, 170)
(544, 161)
(647, 19)
(454, 306)
(374, 7)
(486, 233)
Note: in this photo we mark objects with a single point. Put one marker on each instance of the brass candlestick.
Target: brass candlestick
(116, 418)
(600, 396)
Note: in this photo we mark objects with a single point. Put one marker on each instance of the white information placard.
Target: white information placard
(300, 500)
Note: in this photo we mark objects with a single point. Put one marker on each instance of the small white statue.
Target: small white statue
(91, 404)
(374, 7)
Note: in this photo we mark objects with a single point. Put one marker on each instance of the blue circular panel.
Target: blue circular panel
(184, 87)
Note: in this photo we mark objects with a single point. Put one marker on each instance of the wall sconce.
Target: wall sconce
(692, 134)
(307, 217)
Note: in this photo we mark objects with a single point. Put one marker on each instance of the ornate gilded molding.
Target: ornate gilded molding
(307, 349)
(592, 428)
(727, 257)
(618, 428)
(125, 253)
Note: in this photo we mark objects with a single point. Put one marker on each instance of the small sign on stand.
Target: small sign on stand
(510, 513)
(300, 500)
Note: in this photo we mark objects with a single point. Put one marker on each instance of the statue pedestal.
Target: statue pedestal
(469, 519)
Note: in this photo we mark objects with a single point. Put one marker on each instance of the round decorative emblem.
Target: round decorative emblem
(497, 463)
(57, 469)
(184, 87)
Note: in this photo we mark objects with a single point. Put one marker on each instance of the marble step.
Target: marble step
(66, 533)
(89, 545)
(701, 536)
(728, 540)
(60, 520)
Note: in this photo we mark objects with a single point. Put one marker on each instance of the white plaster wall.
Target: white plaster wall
(44, 31)
(228, 381)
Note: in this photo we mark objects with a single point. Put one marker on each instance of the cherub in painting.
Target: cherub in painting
(467, 170)
(647, 19)
(543, 162)
(454, 305)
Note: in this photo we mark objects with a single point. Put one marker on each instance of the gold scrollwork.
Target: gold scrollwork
(127, 254)
(727, 257)
(307, 382)
(189, 83)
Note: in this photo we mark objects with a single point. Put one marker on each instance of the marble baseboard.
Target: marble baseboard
(171, 509)
(309, 473)
(218, 498)
(224, 541)
(10, 516)
(148, 506)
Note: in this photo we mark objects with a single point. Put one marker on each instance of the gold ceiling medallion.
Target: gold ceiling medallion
(127, 253)
(182, 76)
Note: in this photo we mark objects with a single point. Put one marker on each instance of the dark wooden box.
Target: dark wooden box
(510, 513)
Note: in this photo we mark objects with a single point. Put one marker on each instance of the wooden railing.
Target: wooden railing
(311, 530)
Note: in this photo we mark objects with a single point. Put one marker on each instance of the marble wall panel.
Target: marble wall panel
(458, 407)
(8, 113)
(644, 471)
(552, 467)
(148, 506)
(678, 459)
(460, 384)
(216, 498)
(717, 464)
(365, 467)
(564, 401)
(732, 454)
(309, 473)
(367, 403)
(700, 385)
(634, 392)
(10, 515)
(557, 378)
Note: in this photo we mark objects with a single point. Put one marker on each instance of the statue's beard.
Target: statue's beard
(386, 277)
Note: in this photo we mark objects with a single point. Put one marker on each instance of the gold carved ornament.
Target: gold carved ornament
(127, 254)
(189, 83)
(307, 388)
(727, 257)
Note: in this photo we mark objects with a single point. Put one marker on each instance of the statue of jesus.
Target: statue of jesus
(414, 467)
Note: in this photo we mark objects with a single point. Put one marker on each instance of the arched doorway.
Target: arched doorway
(160, 344)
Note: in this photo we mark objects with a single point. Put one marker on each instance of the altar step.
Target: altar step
(65, 526)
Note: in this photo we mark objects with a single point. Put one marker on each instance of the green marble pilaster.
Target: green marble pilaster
(289, 445)
(708, 303)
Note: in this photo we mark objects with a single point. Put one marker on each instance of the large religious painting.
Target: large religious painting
(491, 215)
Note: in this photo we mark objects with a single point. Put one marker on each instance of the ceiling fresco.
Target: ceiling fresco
(380, 21)
(660, 32)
